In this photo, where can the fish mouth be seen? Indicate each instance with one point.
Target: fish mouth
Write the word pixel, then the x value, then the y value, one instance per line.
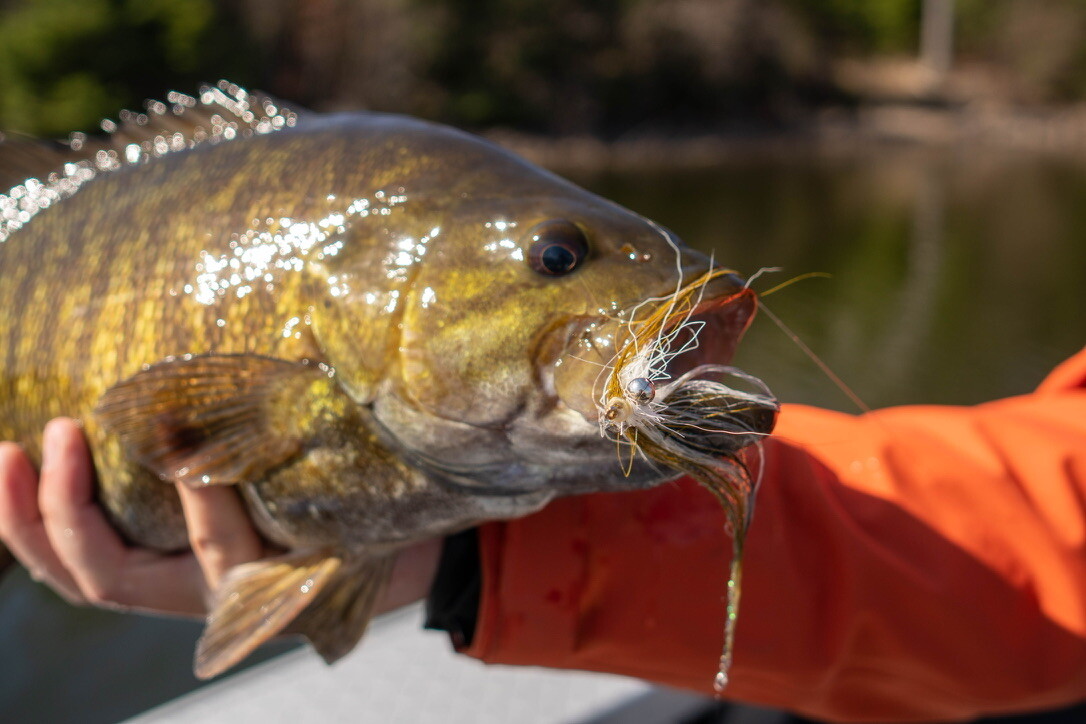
pixel 704 335
pixel 735 409
pixel 718 323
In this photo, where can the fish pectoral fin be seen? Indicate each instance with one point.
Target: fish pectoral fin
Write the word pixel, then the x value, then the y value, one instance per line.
pixel 219 419
pixel 337 619
pixel 256 601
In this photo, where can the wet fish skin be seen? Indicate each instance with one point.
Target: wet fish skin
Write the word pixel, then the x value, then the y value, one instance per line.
pixel 339 319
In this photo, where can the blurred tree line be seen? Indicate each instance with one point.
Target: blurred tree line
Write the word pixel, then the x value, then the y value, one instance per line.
pixel 604 67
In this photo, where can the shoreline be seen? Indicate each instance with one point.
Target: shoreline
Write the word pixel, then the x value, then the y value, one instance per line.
pixel 833 132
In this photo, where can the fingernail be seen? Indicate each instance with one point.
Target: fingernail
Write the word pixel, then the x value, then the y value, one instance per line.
pixel 13 444
pixel 50 438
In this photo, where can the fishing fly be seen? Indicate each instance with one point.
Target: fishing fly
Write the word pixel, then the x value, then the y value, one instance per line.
pixel 697 422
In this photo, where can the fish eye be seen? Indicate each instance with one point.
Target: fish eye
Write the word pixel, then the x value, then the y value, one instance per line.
pixel 556 247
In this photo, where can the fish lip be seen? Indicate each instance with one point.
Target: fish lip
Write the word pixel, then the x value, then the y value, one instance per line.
pixel 730 311
pixel 726 318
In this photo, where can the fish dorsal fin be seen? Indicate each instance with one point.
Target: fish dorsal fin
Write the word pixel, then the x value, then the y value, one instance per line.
pixel 219 419
pixel 23 158
pixel 221 112
pixel 37 174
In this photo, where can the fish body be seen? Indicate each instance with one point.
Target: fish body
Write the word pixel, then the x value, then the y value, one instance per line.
pixel 379 329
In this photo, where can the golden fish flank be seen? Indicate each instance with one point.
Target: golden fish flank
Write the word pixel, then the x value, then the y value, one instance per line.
pixel 378 328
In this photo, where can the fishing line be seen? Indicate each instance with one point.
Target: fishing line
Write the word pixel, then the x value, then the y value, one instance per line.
pixel 856 400
pixel 790 282
pixel 833 377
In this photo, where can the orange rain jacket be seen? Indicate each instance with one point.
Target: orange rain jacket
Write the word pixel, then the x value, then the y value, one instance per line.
pixel 914 563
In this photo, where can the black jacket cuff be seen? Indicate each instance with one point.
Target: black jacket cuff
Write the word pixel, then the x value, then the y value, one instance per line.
pixel 453 603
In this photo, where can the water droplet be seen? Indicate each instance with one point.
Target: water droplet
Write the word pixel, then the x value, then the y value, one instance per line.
pixel 720 683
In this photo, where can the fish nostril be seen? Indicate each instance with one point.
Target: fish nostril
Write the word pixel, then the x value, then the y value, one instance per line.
pixel 632 253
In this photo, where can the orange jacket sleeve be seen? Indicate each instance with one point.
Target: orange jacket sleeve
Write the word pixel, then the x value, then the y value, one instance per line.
pixel 915 563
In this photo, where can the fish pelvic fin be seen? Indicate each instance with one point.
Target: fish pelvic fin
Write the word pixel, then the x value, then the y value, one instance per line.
pixel 337 619
pixel 220 419
pixel 256 601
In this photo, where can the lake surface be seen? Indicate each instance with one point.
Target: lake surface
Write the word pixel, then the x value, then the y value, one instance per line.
pixel 954 278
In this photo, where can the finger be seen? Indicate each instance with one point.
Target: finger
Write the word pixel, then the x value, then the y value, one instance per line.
pixel 220 531
pixel 157 583
pixel 21 526
pixel 108 573
pixel 412 575
pixel 78 532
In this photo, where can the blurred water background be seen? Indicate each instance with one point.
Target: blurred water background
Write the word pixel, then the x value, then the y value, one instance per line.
pixel 953 278
pixel 941 186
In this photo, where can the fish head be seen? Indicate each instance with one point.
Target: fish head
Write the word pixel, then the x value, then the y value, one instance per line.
pixel 507 293
pixel 512 324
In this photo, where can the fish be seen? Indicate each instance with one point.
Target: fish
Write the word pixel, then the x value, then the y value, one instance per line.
pixel 377 329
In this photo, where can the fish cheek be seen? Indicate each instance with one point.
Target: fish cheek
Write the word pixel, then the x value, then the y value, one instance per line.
pixel 468 355
pixel 475 373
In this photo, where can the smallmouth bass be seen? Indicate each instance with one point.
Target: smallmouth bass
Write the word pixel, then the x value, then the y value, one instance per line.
pixel 379 329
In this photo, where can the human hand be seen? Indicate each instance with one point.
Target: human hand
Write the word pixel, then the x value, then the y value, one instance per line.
pixel 54 526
